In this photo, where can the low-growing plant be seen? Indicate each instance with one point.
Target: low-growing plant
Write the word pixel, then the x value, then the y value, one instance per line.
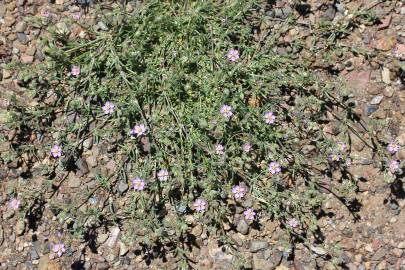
pixel 199 118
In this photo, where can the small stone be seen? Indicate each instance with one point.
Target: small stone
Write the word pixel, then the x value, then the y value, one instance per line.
pixel 329 14
pixel 39 55
pixel 101 238
pixel 82 166
pixel 218 255
pixel 34 254
pixel 88 143
pixel 197 230
pixel 386 75
pixel 101 25
pixel 257 245
pixel 318 250
pixel 23 38
pixel 27 59
pixel 389 91
pixel 74 181
pixel 113 237
pixel 21 27
pixel 402 10
pixel 31 50
pixel 122 187
pixel 370 109
pixel 379 254
pixel 9 21
pixel 374 89
pixel 282 12
pixel 20 227
pixel 376 100
pixel 242 227
pixel 123 249
pixel 59 2
pixel 401 245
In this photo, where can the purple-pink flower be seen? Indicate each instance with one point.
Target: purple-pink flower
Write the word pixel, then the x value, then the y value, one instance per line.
pixel 250 214
pixel 233 55
pixel 342 146
pixel 274 167
pixel 293 222
pixel 15 204
pixel 247 147
pixel 269 118
pixel 76 16
pixel 163 175
pixel 56 151
pixel 238 191
pixel 393 148
pixel 46 13
pixel 75 71
pixel 334 157
pixel 59 249
pixel 219 149
pixel 138 184
pixel 394 166
pixel 109 107
pixel 226 111
pixel 200 205
pixel 138 130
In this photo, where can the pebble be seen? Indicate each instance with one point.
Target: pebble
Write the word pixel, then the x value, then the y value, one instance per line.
pixel 82 166
pixel 257 245
pixel 20 227
pixel 370 109
pixel 379 254
pixel 34 254
pixel 21 27
pixel 123 249
pixel 386 75
pixel 101 238
pixel 23 38
pixel 376 100
pixel 113 237
pixel 242 227
pixel 122 187
pixel 74 181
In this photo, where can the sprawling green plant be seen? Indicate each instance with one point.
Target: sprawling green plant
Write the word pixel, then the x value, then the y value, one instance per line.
pixel 200 118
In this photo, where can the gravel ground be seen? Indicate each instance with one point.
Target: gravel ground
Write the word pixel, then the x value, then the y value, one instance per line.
pixel 367 234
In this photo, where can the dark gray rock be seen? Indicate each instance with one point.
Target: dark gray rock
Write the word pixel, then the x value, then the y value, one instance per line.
pixel 34 254
pixel 23 38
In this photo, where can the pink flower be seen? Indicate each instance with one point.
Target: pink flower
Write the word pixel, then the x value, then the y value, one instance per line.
pixel 58 249
pixel 274 167
pixel 200 205
pixel 138 130
pixel 163 175
pixel 75 71
pixel 249 214
pixel 247 147
pixel 15 204
pixel 46 13
pixel 269 118
pixel 293 223
pixel 334 157
pixel 239 191
pixel 76 16
pixel 138 184
pixel 393 147
pixel 56 151
pixel 233 55
pixel 109 107
pixel 226 111
pixel 342 146
pixel 394 166
pixel 219 149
